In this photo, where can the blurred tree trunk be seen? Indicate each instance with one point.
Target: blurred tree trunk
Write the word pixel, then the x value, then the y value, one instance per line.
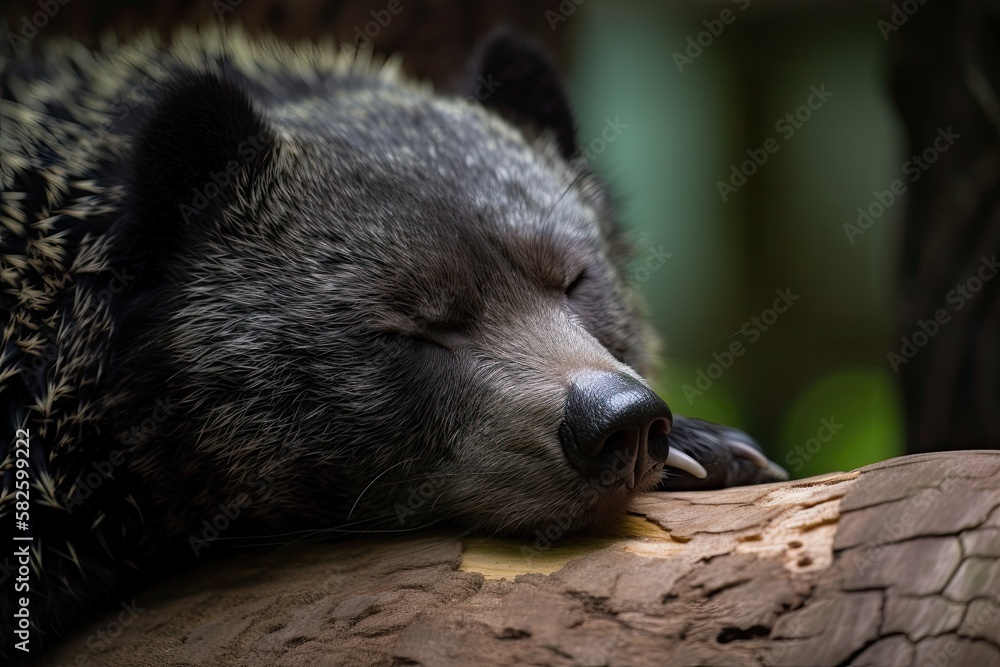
pixel 946 78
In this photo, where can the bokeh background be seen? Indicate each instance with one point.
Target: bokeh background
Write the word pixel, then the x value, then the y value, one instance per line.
pixel 690 120
pixel 671 97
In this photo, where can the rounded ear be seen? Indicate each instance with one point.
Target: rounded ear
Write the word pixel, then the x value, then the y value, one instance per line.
pixel 202 143
pixel 514 77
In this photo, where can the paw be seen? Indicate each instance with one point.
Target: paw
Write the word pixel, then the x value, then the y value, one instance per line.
pixel 722 457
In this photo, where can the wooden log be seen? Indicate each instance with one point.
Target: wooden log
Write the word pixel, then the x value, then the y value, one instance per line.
pixel 897 563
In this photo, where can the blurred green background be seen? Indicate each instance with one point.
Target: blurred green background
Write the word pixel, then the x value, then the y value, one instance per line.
pixel 689 120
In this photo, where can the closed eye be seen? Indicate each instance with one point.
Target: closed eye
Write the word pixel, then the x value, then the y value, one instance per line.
pixel 572 287
pixel 412 337
pixel 425 339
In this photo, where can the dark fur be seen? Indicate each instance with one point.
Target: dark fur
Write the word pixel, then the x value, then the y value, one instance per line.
pixel 388 294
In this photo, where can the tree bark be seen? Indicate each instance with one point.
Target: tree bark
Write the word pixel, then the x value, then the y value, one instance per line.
pixel 894 564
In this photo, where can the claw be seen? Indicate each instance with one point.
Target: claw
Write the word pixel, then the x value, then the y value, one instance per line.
pixel 680 460
pixel 777 473
pixel 743 450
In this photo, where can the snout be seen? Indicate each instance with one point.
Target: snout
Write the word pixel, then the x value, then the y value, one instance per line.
pixel 615 428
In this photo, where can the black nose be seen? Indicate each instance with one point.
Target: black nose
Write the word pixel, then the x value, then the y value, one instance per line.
pixel 615 428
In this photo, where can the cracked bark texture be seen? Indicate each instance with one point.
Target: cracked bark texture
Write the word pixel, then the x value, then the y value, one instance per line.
pixel 894 564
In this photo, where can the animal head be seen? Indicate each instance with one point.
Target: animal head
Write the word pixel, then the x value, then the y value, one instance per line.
pixel 392 306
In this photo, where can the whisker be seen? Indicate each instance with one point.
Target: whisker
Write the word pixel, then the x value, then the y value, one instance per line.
pixel 569 188
pixel 375 480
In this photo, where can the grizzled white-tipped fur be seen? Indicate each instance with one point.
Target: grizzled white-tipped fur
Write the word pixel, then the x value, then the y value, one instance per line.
pixel 289 286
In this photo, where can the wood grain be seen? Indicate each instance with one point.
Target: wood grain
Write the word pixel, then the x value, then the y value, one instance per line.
pixel 894 564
